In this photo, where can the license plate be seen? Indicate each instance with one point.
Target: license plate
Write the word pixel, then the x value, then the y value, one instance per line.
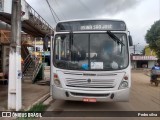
pixel 158 78
pixel 89 100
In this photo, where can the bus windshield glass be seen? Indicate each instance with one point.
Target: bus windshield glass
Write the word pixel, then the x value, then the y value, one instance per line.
pixel 90 51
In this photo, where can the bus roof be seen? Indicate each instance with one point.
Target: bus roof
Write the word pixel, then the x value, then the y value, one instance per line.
pixel 91 25
pixel 103 19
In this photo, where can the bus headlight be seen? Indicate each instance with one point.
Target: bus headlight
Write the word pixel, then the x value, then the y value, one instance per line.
pixel 123 85
pixel 56 80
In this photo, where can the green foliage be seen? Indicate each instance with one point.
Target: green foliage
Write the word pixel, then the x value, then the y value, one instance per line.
pixel 148 51
pixel 143 52
pixel 40 107
pixel 153 37
pixel 25 118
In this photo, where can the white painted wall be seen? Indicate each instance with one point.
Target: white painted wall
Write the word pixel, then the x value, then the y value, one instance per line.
pixel 25 8
pixel 7 8
pixel 1 5
pixel 133 64
pixel 151 64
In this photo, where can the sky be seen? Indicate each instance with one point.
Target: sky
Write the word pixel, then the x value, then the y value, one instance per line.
pixel 139 15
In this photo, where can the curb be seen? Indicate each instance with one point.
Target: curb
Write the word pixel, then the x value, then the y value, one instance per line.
pixel 48 101
pixel 42 99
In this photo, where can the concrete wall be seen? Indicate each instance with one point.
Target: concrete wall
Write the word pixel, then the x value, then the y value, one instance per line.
pixel 6 7
pixel 1 5
pixel 151 64
pixel 133 64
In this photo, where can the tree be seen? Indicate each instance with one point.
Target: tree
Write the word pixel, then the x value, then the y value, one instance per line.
pixel 148 52
pixel 153 37
pixel 143 51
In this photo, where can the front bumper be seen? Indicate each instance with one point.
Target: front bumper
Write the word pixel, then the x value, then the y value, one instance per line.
pixel 101 96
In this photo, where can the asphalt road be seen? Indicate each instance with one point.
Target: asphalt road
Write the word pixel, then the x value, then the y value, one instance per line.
pixel 143 97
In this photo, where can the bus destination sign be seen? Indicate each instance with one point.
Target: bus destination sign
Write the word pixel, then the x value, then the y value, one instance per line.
pixel 97 27
pixel 92 25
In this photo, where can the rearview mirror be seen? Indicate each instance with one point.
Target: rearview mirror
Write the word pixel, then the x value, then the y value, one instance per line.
pixel 130 40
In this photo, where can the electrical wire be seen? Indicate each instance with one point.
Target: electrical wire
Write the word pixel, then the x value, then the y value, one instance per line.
pixel 60 9
pixel 53 12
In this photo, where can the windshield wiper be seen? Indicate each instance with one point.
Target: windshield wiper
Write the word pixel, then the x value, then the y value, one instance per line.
pixel 115 38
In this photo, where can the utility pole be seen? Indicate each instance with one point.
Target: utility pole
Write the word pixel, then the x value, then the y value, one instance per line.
pixel 134 48
pixel 51 68
pixel 15 74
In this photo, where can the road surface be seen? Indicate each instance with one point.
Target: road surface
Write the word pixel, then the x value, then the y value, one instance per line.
pixel 143 97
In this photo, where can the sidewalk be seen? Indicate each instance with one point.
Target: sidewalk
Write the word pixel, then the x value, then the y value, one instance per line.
pixel 30 94
pixel 3 97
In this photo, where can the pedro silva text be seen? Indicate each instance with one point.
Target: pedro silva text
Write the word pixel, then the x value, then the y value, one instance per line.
pixel 147 115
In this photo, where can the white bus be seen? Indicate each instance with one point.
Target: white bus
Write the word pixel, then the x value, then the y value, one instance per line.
pixel 91 61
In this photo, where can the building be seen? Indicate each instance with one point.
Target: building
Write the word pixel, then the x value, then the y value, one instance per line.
pixel 144 61
pixel 31 23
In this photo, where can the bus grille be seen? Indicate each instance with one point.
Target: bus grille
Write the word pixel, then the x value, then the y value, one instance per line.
pixel 93 83
pixel 89 95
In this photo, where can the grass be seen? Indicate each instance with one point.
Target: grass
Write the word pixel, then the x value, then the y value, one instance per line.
pixel 40 107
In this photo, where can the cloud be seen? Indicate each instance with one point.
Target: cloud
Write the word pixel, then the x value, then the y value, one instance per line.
pixel 139 18
pixel 93 8
pixel 110 6
pixel 139 15
pixel 79 9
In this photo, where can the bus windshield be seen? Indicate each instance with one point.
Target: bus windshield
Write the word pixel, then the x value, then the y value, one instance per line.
pixel 90 51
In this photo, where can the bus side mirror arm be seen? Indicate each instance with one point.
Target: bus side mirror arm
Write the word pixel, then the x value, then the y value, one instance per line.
pixel 130 40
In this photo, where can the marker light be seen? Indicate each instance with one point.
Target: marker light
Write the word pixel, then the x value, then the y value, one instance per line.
pixel 125 77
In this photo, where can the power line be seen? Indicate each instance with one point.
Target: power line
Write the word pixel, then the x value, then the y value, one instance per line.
pixel 53 12
pixel 59 9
